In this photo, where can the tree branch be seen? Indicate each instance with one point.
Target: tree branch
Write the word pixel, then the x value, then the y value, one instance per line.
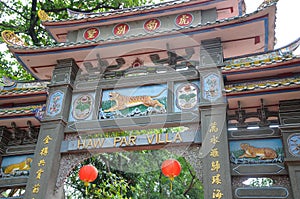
pixel 8 26
pixel 192 181
pixel 33 22
pixel 16 11
pixel 99 6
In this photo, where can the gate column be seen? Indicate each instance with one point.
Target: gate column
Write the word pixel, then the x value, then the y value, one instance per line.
pixel 214 149
pixel 45 166
pixel 289 114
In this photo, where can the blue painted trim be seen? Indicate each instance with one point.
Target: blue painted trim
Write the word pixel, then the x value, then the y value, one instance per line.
pixel 240 7
pixel 266 23
pixel 164 11
pixel 24 66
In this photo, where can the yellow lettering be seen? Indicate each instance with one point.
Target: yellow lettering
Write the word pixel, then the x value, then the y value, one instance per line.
pixel 167 138
pixel 123 141
pixel 150 140
pixel 89 144
pixel 116 140
pixel 98 142
pixel 158 140
pixel 132 140
pixel 177 137
pixel 80 144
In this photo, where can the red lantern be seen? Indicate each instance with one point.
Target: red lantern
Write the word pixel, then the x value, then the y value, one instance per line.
pixel 87 174
pixel 171 168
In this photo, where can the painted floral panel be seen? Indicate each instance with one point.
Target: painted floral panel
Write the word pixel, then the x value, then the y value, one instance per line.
pixel 55 103
pixel 211 87
pixel 186 95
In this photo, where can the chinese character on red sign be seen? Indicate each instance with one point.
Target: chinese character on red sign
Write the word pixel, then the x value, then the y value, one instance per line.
pixel 184 20
pixel 91 33
pixel 121 29
pixel 152 25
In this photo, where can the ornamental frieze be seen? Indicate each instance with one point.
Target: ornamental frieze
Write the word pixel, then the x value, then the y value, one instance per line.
pixel 133 28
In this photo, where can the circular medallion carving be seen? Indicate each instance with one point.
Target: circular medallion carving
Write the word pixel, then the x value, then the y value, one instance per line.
pixel 184 20
pixel 187 96
pixel 91 33
pixel 152 25
pixel 121 29
pixel 82 107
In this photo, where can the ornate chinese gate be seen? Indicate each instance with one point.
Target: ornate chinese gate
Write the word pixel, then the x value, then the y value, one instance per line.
pixel 82 104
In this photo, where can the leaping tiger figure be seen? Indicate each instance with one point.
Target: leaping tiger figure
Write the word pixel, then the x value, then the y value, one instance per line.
pixel 123 101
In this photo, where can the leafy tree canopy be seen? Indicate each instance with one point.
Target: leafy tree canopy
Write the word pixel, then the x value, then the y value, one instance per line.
pixel 20 16
pixel 133 175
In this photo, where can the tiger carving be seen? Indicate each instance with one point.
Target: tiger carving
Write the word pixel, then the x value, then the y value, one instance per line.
pixel 123 101
pixel 252 152
pixel 21 166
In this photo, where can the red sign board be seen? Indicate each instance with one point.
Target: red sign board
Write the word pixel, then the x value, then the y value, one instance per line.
pixel 152 25
pixel 121 29
pixel 184 20
pixel 91 33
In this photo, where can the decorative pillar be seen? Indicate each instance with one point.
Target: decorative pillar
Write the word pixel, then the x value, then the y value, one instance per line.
pixel 45 166
pixel 4 139
pixel 289 115
pixel 214 149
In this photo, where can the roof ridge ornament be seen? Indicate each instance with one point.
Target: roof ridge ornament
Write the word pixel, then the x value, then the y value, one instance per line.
pixel 44 16
pixel 12 39
pixel 266 3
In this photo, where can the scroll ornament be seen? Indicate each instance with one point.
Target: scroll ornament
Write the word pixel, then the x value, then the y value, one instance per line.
pixel 12 39
pixel 43 16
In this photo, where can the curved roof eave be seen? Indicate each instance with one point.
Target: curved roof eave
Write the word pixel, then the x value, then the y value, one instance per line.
pixel 264 16
pixel 59 27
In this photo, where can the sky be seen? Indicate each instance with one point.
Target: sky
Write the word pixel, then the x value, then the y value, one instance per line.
pixel 287 19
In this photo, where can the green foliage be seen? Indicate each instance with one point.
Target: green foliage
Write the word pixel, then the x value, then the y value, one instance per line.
pixel 187 97
pixel 83 106
pixel 21 17
pixel 261 182
pixel 17 72
pixel 238 153
pixel 135 175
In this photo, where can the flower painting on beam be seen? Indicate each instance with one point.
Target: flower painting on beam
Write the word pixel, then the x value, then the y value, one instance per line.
pixel 211 87
pixel 187 95
pixel 55 103
pixel 133 102
pixel 82 106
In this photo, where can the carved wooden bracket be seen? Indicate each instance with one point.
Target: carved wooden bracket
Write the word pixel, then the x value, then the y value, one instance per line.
pixel 172 58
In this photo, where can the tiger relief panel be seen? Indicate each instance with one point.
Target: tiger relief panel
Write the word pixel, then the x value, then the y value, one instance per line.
pixel 256 151
pixel 16 166
pixel 133 102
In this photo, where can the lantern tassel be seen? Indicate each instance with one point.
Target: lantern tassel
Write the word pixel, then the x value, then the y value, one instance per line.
pixel 86 184
pixel 171 180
